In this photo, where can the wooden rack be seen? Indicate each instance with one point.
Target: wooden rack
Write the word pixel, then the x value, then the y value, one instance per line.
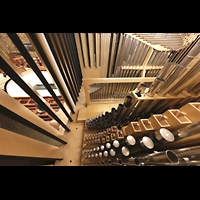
pixel 88 81
pixel 31 105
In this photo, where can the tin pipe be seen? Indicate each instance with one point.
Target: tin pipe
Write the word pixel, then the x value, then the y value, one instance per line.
pixel 143 144
pixel 127 101
pixel 117 162
pixel 155 86
pixel 174 80
pixel 162 136
pixel 133 161
pixel 185 137
pixel 192 153
pixel 160 158
pixel 189 79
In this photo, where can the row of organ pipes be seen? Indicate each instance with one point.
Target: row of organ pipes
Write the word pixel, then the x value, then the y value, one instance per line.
pixel 175 72
pixel 157 124
pixel 145 142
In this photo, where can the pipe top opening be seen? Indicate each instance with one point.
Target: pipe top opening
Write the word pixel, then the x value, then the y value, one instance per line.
pixel 172 157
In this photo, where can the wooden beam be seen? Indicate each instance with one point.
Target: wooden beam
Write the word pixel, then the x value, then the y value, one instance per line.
pixel 24 115
pixel 78 45
pixel 87 81
pixel 87 95
pixel 12 144
pixel 85 48
pixel 91 48
pixel 118 80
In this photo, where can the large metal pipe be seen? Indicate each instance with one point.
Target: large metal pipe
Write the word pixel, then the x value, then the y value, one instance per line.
pixel 133 161
pixel 162 136
pixel 185 137
pixel 188 80
pixel 173 81
pixel 143 144
pixel 155 86
pixel 162 158
pixel 192 153
pixel 170 73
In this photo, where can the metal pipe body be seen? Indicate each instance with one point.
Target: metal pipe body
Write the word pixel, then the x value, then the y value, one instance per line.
pixel 133 161
pixel 190 78
pixel 192 153
pixel 162 158
pixel 185 137
pixel 174 81
pixel 142 145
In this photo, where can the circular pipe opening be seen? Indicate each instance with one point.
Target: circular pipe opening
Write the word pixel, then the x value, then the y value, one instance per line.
pixel 172 157
pixel 137 161
pixel 113 109
pixel 131 140
pixel 129 97
pixel 143 85
pixel 125 151
pixel 147 142
pixel 167 135
pixel 116 143
pixel 120 161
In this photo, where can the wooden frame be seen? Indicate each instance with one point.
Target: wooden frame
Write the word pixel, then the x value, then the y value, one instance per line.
pixel 16 149
pixel 13 109
pixel 88 81
pixel 54 71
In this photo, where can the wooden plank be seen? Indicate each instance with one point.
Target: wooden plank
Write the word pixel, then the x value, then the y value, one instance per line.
pixel 87 96
pixel 12 144
pixel 105 47
pixel 93 110
pixel 78 45
pixel 85 49
pixel 98 49
pixel 118 80
pixel 91 48
pixel 14 106
pixel 82 114
pixel 112 55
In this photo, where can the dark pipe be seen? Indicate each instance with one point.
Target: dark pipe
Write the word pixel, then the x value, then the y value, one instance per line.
pixel 128 100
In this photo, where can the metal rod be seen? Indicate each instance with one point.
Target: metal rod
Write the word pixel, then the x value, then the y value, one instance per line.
pixel 15 39
pixel 160 158
pixel 28 88
pixel 52 66
pixel 32 37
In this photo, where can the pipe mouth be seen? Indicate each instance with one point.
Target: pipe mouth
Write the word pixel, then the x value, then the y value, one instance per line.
pixel 160 79
pixel 108 145
pixel 116 143
pixel 120 161
pixel 112 152
pixel 109 161
pixel 125 151
pixel 172 157
pixel 137 161
pixel 113 110
pixel 105 153
pixel 167 135
pixel 148 143
pixel 131 140
pixel 129 97
pixel 143 85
